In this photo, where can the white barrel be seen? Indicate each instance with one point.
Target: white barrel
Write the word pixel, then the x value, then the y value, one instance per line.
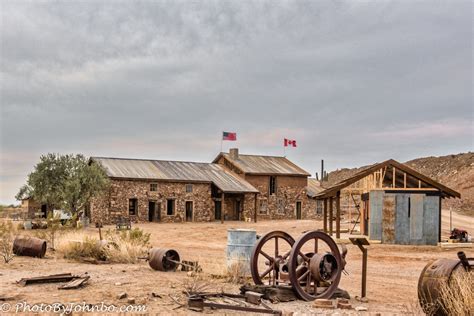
pixel 240 243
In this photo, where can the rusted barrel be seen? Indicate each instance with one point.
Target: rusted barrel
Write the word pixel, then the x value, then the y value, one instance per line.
pixel 433 279
pixel 163 259
pixel 29 246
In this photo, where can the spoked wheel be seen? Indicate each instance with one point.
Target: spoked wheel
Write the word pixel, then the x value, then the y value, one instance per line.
pixel 315 274
pixel 270 256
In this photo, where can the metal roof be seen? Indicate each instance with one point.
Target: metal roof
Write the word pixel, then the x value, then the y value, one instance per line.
pixel 174 171
pixel 264 165
pixel 314 187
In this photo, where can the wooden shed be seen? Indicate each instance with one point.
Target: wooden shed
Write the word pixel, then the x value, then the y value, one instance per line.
pixel 396 204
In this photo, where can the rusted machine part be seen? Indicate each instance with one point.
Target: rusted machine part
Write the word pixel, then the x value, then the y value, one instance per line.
pixel 199 302
pixel 163 259
pixel 29 246
pixel 275 261
pixel 316 275
pixel 467 263
pixel 435 276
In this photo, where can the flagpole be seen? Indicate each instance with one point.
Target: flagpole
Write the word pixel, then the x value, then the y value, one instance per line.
pixel 222 139
pixel 284 150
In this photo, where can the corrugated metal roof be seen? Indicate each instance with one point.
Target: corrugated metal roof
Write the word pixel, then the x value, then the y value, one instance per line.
pixel 314 187
pixel 174 171
pixel 256 164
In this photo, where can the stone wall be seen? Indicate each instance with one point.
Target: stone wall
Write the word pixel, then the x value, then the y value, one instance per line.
pixel 115 203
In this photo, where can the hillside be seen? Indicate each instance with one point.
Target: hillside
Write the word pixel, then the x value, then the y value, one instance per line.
pixel 454 171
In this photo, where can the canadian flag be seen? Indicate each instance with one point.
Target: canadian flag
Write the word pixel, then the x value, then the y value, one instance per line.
pixel 290 142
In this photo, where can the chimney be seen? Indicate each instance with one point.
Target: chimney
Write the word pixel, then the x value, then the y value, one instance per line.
pixel 234 153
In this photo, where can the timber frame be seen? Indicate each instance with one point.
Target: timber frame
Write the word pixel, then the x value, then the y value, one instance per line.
pixel 389 176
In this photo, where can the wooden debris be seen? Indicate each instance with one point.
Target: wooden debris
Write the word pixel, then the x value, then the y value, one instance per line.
pixel 122 295
pixel 131 300
pixel 64 277
pixel 271 293
pixel 76 283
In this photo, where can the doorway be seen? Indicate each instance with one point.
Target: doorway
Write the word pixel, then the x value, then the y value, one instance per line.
pixel 151 211
pixel 189 211
pixel 298 210
pixel 217 210
pixel 237 210
pixel 44 211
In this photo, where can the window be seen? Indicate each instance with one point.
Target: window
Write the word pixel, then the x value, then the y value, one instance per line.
pixel 319 206
pixel 170 204
pixel 132 207
pixel 154 187
pixel 262 206
pixel 189 188
pixel 272 185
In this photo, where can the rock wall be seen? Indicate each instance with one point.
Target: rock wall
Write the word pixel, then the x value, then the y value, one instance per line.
pixel 115 203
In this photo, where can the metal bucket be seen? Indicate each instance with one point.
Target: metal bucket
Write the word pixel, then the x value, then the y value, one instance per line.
pixel 240 243
pixel 29 246
pixel 435 276
pixel 163 259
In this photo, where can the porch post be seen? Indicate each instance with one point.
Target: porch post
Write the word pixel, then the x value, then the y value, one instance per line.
pixel 338 214
pixel 325 216
pixel 330 214
pixel 255 209
pixel 222 208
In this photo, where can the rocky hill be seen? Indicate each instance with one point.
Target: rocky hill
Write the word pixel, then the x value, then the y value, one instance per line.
pixel 454 171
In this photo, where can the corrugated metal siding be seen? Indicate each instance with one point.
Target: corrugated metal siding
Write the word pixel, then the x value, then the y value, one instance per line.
pixel 313 187
pixel 402 221
pixel 431 220
pixel 376 199
pixel 266 165
pixel 416 218
pixel 174 171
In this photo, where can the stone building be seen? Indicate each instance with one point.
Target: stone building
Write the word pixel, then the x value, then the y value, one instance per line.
pixel 281 184
pixel 230 188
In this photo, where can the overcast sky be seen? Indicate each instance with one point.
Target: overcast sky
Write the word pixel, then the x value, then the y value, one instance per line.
pixel 353 82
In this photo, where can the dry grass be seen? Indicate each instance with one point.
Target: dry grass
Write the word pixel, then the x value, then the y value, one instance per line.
pixel 7 232
pixel 237 273
pixel 119 247
pixel 457 296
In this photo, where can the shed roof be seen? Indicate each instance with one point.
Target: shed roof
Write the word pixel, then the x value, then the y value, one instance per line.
pixel 264 165
pixel 332 190
pixel 314 187
pixel 180 171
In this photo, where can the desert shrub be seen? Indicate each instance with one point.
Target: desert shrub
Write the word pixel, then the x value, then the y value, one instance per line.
pixel 7 233
pixel 88 248
pixel 236 273
pixel 457 296
pixel 136 236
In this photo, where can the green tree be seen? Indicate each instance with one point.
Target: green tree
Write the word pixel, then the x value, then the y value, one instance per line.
pixel 68 182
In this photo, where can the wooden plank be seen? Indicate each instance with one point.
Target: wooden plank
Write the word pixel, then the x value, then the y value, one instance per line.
pixel 388 219
pixel 404 179
pixel 394 171
pixel 76 283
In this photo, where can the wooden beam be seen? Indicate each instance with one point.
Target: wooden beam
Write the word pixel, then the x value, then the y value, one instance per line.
pixel 255 209
pixel 419 184
pixel 338 215
pixel 394 171
pixel 330 214
pixel 222 208
pixel 325 216
pixel 404 179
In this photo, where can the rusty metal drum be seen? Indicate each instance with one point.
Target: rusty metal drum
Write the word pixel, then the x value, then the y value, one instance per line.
pixel 29 246
pixel 162 259
pixel 435 276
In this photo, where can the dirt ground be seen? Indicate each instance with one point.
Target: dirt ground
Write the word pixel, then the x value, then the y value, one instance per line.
pixel 393 270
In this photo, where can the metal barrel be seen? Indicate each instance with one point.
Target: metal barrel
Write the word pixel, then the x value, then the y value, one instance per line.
pixel 162 259
pixel 435 276
pixel 240 243
pixel 29 246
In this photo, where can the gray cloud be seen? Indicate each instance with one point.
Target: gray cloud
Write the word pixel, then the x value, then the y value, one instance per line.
pixel 353 82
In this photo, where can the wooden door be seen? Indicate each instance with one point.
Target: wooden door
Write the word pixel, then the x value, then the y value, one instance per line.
pixel 189 211
pixel 298 210
pixel 217 210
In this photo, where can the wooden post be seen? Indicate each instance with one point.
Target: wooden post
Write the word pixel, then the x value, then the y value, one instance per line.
pixel 338 214
pixel 255 209
pixel 393 177
pixel 222 208
pixel 405 180
pixel 364 272
pixel 330 214
pixel 325 216
pixel 362 216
